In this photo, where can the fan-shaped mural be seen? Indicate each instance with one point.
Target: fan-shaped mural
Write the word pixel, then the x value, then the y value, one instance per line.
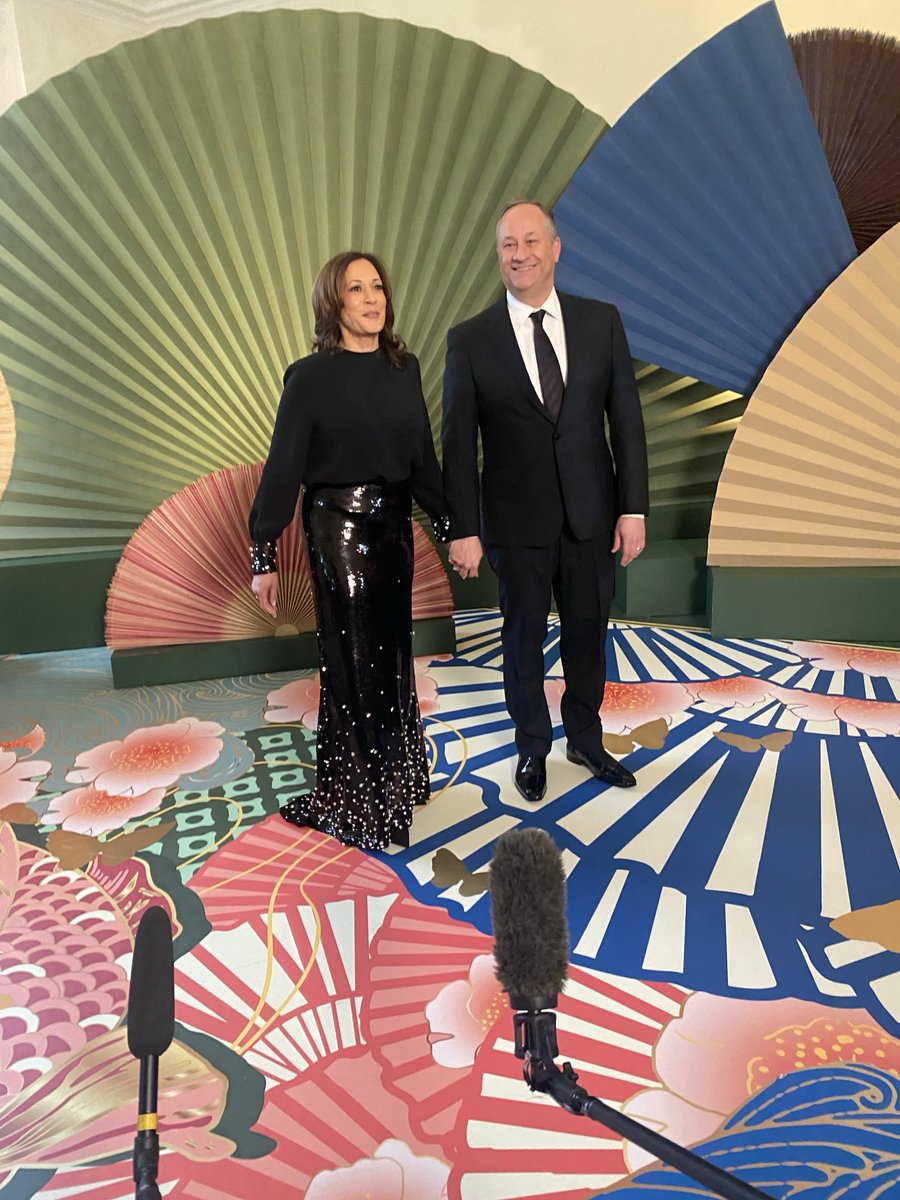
pixel 166 206
pixel 184 576
pixel 689 429
pixel 811 478
pixel 852 81
pixel 708 214
pixel 7 434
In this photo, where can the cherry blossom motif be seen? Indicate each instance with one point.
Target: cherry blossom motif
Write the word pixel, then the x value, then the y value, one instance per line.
pixel 866 660
pixel 720 1051
pixel 871 716
pixel 808 706
pixel 735 690
pixel 152 757
pixel 392 1173
pixel 463 1013
pixel 299 699
pixel 295 701
pixel 17 778
pixel 629 705
pixel 31 741
pixel 90 810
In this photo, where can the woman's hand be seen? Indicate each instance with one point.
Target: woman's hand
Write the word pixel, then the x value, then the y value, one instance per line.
pixel 265 589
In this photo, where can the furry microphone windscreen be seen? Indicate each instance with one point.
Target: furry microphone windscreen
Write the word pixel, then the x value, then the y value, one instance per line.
pixel 528 908
pixel 151 995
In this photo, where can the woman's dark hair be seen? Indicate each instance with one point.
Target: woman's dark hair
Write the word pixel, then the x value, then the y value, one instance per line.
pixel 328 300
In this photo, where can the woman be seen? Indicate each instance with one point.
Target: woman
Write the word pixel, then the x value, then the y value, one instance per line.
pixel 352 426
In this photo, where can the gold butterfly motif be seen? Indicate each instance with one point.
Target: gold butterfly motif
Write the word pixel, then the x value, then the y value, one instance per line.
pixel 448 870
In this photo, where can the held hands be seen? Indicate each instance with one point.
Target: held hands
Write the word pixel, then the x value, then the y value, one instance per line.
pixel 465 555
pixel 265 589
pixel 630 538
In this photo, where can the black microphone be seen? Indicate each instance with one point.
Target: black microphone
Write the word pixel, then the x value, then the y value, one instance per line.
pixel 531 951
pixel 531 936
pixel 151 1027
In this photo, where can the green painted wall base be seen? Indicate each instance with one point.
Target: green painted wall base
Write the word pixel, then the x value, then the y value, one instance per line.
pixel 852 604
pixel 667 580
pixel 688 519
pixel 152 665
pixel 54 603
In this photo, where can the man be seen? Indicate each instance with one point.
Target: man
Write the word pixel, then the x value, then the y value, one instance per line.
pixel 535 374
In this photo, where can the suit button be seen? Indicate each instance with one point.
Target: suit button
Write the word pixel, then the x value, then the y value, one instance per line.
pixel 556 437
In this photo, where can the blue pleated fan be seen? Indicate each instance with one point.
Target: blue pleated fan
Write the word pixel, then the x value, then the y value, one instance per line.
pixel 708 214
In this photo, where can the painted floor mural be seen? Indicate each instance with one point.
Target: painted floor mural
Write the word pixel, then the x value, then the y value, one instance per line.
pixel 735 976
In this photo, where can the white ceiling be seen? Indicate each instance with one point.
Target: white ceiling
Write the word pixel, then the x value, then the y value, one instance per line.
pixel 150 14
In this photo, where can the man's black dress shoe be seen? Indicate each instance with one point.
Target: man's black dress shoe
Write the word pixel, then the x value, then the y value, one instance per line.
pixel 531 777
pixel 603 765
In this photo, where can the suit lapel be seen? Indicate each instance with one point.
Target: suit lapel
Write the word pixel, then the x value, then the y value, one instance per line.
pixel 575 350
pixel 503 339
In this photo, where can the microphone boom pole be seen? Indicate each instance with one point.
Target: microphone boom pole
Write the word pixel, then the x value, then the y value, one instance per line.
pixel 561 1084
pixel 531 949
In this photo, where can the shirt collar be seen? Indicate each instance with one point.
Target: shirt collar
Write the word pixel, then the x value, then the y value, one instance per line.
pixel 520 313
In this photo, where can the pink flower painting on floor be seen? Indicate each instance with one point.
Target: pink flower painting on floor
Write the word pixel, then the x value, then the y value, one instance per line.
pixel 869 716
pixel 299 700
pixel 865 659
pixel 463 1013
pixel 626 706
pixel 92 811
pixel 31 741
pixel 295 701
pixel 152 757
pixel 392 1173
pixel 19 778
pixel 733 691
pixel 720 1051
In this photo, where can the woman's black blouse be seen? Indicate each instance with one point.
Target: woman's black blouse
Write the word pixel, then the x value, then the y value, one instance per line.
pixel 346 418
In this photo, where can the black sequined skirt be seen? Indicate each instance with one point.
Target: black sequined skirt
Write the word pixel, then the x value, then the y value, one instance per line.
pixel 370 760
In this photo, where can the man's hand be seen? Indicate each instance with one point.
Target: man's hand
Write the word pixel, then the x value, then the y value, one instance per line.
pixel 465 555
pixel 265 589
pixel 630 538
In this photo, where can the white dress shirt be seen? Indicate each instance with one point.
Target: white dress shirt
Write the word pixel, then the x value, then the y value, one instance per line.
pixel 523 327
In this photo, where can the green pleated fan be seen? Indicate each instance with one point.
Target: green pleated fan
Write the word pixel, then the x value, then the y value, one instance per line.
pixel 164 209
pixel 689 428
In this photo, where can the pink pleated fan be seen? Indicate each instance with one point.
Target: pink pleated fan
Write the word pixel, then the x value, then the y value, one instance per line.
pixel 184 576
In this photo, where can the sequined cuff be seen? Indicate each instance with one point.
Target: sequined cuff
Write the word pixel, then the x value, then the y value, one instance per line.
pixel 441 526
pixel 263 560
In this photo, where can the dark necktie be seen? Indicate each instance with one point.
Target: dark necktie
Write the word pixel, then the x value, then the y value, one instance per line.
pixel 549 373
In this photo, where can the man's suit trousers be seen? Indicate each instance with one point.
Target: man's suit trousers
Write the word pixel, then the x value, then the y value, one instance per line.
pixel 580 576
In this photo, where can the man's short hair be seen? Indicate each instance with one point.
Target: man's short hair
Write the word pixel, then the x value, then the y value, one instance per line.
pixel 548 213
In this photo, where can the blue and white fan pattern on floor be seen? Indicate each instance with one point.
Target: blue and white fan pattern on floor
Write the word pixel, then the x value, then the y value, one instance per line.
pixel 724 868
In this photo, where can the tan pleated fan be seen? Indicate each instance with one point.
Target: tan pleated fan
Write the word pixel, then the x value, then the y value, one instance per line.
pixel 852 82
pixel 164 210
pixel 7 434
pixel 185 577
pixel 812 476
